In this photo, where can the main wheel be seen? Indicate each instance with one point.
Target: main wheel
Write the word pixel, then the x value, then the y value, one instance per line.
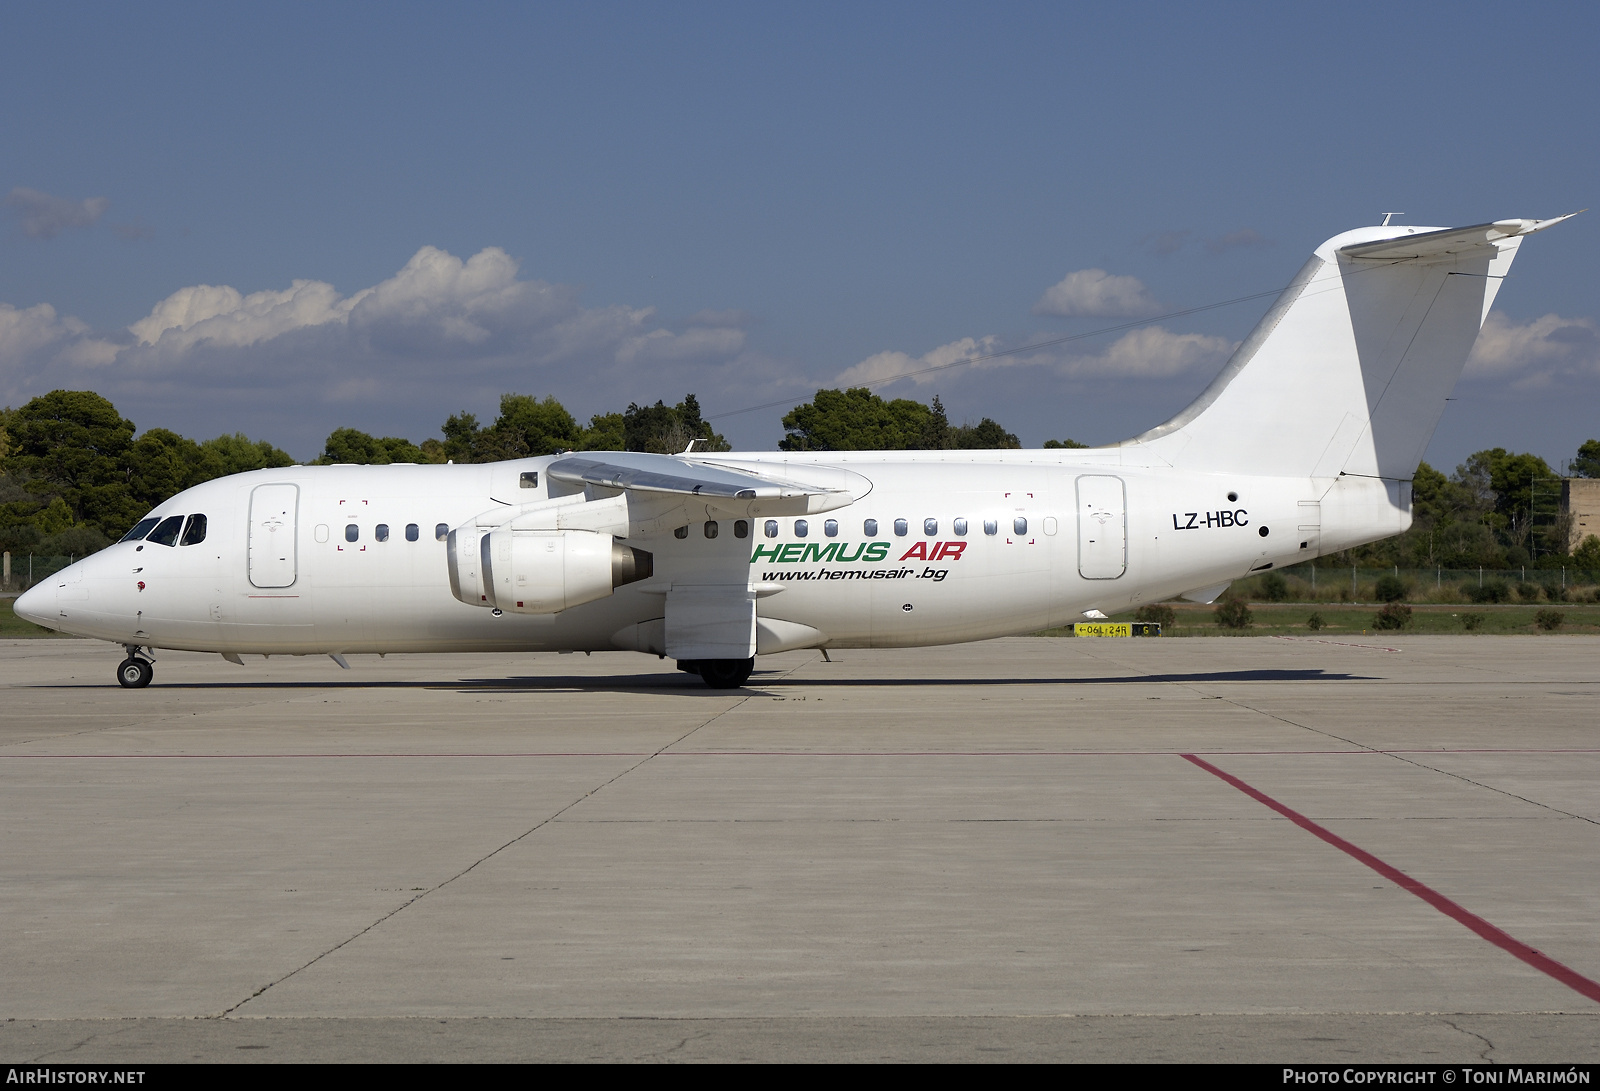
pixel 135 673
pixel 726 673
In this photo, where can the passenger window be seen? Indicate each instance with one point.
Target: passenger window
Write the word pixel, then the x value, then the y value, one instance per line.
pixel 441 531
pixel 991 526
pixel 681 532
pixel 413 532
pixel 741 528
pixel 321 533
pixel 529 480
pixel 801 528
pixel 1019 525
pixel 831 528
pixel 960 527
pixel 1049 524
pixel 166 532
pixel 381 532
pixel 771 529
pixel 351 532
pixel 869 527
pixel 711 528
pixel 144 526
pixel 930 527
pixel 195 531
pixel 901 528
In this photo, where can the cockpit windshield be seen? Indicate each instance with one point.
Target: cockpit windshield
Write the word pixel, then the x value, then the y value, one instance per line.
pixel 144 527
pixel 195 532
pixel 166 532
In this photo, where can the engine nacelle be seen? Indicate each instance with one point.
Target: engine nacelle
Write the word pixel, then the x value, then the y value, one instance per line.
pixel 540 571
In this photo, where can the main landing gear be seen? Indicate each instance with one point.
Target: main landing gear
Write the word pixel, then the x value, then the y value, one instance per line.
pixel 720 673
pixel 135 671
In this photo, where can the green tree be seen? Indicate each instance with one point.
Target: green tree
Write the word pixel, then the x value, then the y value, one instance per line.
pixel 1587 464
pixel 350 446
pixel 529 426
pixel 606 432
pixel 1587 555
pixel 667 429
pixel 74 444
pixel 986 435
pixel 162 464
pixel 857 420
pixel 1070 444
pixel 237 454
pixel 461 434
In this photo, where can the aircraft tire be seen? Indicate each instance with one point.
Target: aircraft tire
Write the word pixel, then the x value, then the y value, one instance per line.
pixel 134 673
pixel 726 673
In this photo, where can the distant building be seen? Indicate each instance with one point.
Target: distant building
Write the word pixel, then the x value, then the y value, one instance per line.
pixel 1580 509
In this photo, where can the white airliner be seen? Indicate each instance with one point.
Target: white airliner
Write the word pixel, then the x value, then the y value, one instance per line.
pixel 1304 444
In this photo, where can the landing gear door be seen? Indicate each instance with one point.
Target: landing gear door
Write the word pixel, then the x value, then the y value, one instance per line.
pixel 273 510
pixel 1102 527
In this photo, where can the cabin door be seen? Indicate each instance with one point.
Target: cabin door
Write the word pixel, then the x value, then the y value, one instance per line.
pixel 1102 527
pixel 272 535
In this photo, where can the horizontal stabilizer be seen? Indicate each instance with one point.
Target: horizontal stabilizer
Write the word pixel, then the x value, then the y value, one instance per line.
pixel 1450 242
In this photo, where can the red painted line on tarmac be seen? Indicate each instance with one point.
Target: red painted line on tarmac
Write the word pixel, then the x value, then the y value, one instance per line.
pixel 1456 912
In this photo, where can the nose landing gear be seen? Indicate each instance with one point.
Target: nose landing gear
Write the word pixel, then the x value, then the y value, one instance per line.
pixel 135 671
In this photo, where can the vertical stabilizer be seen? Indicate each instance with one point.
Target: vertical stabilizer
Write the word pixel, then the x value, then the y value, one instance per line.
pixel 1349 371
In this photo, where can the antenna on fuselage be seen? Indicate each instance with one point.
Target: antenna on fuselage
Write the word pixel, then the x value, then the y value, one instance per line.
pixel 1386 217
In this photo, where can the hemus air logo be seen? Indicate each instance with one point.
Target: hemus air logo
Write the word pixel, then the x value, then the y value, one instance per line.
pixel 845 552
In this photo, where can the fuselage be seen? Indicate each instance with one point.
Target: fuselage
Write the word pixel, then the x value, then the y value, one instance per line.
pixel 932 548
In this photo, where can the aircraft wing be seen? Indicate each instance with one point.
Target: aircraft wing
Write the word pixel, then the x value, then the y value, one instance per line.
pixel 639 472
pixel 731 489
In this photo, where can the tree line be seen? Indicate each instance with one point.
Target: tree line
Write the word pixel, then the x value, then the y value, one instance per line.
pixel 75 474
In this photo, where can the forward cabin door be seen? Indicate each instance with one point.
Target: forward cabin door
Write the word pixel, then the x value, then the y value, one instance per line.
pixel 1102 527
pixel 272 535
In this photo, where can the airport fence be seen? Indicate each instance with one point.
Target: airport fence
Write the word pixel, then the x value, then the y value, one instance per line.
pixel 20 571
pixel 1486 586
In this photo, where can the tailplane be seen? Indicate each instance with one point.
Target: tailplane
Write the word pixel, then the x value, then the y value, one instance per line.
pixel 1349 371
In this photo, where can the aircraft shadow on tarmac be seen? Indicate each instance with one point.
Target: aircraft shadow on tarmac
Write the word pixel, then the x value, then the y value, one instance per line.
pixel 686 686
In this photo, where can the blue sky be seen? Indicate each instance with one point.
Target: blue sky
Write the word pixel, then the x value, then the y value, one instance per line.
pixel 416 208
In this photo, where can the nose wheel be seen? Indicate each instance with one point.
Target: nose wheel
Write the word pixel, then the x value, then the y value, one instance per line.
pixel 135 673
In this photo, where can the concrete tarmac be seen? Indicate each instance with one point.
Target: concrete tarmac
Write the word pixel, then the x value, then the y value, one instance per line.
pixel 1252 849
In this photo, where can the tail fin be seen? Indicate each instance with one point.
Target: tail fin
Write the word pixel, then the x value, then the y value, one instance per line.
pixel 1349 371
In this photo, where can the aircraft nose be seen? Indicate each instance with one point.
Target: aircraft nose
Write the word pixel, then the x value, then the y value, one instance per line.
pixel 37 604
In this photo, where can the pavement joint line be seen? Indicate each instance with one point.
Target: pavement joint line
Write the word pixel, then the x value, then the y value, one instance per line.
pixel 1450 908
pixel 1355 751
pixel 486 857
pixel 1398 755
pixel 1489 1046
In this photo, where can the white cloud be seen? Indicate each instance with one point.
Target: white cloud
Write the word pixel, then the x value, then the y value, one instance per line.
pixel 1245 237
pixel 1096 292
pixel 884 366
pixel 221 315
pixel 1149 353
pixel 440 334
pixel 44 215
pixel 1534 353
pixel 1152 352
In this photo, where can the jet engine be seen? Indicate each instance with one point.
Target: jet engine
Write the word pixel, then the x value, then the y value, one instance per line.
pixel 540 571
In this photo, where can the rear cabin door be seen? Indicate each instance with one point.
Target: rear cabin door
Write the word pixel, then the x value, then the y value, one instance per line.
pixel 272 535
pixel 1102 527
